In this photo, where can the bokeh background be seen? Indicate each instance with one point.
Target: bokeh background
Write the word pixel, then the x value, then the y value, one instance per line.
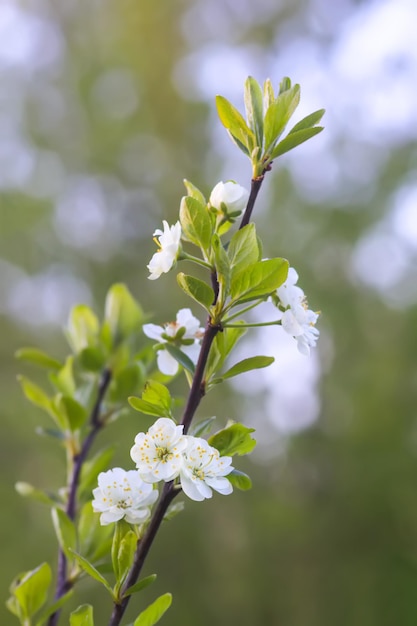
pixel 105 106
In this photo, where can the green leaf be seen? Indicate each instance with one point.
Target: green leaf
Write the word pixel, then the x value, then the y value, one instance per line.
pixel 284 85
pixel 128 380
pixel 196 289
pixel 145 407
pixel 251 363
pixel 126 554
pixel 157 393
pixel 53 608
pixel 153 613
pixel 83 616
pixel 254 108
pixel 141 584
pixel 239 480
pixel 92 359
pixel 31 589
pixel 268 95
pixel 64 378
pixel 195 222
pixel 65 531
pixel 309 121
pixel 91 570
pixel 35 394
pixel 202 428
pixel 122 313
pixel 33 355
pixel 173 510
pixel 75 414
pixel 181 357
pixel 222 263
pixel 233 121
pixel 93 538
pixel 259 280
pixel 243 249
pixel 221 347
pixel 295 139
pixel 28 491
pixel 234 439
pixel 83 328
pixel 194 192
pixel 278 115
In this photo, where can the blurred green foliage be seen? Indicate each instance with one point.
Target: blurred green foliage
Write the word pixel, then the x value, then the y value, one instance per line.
pixel 328 535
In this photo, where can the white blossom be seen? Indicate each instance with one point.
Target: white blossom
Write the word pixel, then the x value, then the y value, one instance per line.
pixel 187 340
pixel 158 453
pixel 122 494
pixel 231 194
pixel 203 469
pixel 297 320
pixel 169 242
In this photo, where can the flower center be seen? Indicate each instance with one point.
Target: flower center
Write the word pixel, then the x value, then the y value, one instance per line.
pixel 163 454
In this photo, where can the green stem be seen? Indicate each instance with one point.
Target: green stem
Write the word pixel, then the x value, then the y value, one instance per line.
pixel 241 311
pixel 194 259
pixel 254 325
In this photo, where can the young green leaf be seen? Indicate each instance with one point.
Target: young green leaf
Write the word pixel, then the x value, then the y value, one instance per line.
pixel 194 192
pixel 234 439
pixel 91 570
pixel 31 589
pixel 173 510
pixel 157 393
pixel 65 531
pixel 28 491
pixel 153 613
pixel 93 538
pixel 268 94
pixel 202 428
pixel 64 378
pixel 122 313
pixel 243 249
pixel 258 280
pixel 251 363
pixel 53 608
pixel 196 289
pixel 233 121
pixel 83 328
pixel 141 584
pixel 126 381
pixel 75 414
pixel 126 554
pixel 239 480
pixel 309 121
pixel 36 395
pixel 195 221
pixel 92 359
pixel 294 139
pixel 83 616
pixel 278 115
pixel 254 108
pixel 37 357
pixel 181 357
pixel 146 407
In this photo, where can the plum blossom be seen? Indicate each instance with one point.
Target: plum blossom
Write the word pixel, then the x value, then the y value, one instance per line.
pixel 231 194
pixel 203 469
pixel 185 333
pixel 169 243
pixel 158 453
pixel 297 319
pixel 122 494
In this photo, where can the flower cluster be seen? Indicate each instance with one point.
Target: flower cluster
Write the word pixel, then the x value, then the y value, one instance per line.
pixel 297 319
pixel 164 453
pixel 185 333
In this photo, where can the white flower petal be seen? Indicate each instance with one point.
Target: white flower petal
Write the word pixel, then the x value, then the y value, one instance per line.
pixel 166 363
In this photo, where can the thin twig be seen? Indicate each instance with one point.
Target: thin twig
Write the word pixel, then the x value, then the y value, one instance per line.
pixel 63 584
